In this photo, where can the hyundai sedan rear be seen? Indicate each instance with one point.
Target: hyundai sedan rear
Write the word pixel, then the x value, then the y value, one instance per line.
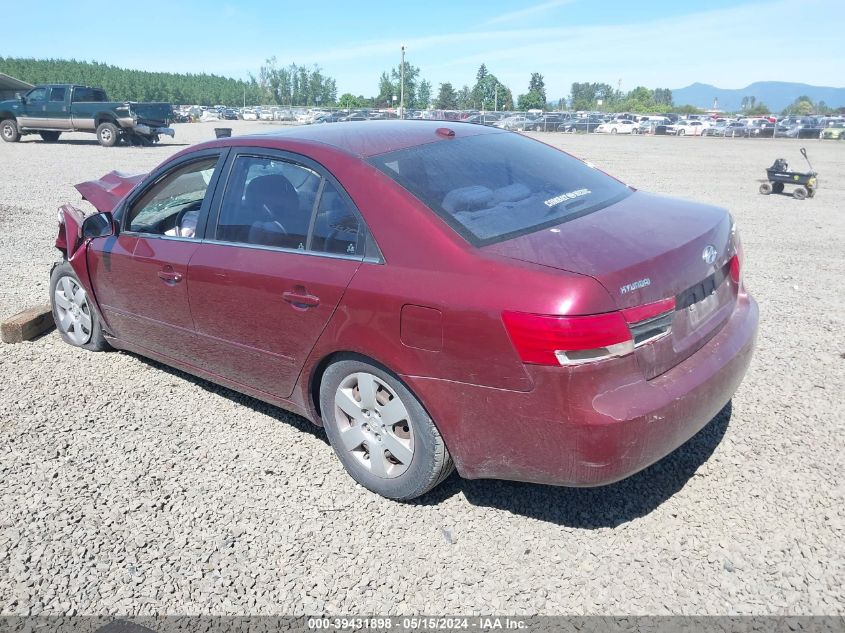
pixel 436 296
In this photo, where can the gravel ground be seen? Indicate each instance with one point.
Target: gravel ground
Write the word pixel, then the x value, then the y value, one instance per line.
pixel 130 488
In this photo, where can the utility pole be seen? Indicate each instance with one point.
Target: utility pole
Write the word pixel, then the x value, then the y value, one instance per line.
pixel 402 85
pixel 496 99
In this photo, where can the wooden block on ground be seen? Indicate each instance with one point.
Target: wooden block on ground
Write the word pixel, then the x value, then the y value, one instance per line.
pixel 26 325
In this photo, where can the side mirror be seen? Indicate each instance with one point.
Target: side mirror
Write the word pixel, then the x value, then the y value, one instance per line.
pixel 20 97
pixel 98 225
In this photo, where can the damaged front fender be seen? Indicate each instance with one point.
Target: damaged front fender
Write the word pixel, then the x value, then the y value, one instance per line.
pixel 70 230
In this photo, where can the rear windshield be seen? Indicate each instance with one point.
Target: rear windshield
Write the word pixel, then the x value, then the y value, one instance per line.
pixel 492 187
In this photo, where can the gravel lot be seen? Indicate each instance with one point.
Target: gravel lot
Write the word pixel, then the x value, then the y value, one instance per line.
pixel 130 488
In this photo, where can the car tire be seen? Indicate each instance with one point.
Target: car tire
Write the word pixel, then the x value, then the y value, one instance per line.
pixel 357 431
pixel 49 137
pixel 75 316
pixel 682 132
pixel 9 131
pixel 613 130
pixel 107 134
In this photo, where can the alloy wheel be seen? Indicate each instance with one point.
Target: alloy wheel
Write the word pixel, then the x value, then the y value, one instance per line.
pixel 374 424
pixel 73 310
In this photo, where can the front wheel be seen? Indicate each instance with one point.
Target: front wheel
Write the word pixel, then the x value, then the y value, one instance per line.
pixel 800 193
pixel 74 315
pixel 381 433
pixel 107 134
pixel 682 132
pixel 9 131
pixel 766 188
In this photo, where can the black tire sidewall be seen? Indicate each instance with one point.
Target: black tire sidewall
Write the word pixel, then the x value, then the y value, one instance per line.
pixel 16 136
pixel 115 134
pixel 418 478
pixel 96 342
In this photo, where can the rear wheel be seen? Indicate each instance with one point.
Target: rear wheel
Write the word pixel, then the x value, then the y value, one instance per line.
pixel 777 187
pixel 73 312
pixel 380 432
pixel 9 131
pixel 766 188
pixel 107 134
pixel 800 193
pixel 49 137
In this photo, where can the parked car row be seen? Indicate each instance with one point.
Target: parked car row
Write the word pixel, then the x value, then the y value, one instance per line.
pixel 535 121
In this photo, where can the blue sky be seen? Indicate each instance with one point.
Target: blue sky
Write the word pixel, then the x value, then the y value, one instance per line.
pixel 656 44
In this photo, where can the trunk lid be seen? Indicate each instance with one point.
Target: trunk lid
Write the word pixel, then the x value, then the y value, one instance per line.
pixel 106 192
pixel 643 249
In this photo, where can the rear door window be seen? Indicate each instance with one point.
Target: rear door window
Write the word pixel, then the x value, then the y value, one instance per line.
pixel 268 202
pixel 281 202
pixel 492 187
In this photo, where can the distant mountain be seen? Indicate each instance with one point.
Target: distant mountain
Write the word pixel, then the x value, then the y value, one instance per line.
pixel 775 94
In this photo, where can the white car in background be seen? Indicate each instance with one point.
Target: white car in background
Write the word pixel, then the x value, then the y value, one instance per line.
pixel 687 128
pixel 623 126
pixel 249 115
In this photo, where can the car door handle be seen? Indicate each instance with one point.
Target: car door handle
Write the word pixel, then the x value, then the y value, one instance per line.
pixel 301 299
pixel 170 276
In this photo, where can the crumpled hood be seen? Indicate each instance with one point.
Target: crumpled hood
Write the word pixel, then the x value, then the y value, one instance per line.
pixel 106 192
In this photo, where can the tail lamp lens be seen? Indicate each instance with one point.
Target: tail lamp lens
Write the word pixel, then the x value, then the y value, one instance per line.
pixel 573 340
pixel 736 273
pixel 557 340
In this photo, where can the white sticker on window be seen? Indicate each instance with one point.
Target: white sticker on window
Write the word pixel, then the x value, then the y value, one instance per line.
pixel 571 195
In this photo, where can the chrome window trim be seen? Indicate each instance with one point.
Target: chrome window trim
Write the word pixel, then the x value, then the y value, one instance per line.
pixel 159 236
pixel 296 251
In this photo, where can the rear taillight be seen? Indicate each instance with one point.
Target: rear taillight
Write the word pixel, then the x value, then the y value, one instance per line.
pixel 736 260
pixel 557 340
pixel 649 310
pixel 736 273
pixel 574 340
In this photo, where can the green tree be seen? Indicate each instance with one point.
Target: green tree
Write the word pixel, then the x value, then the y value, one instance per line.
pixel 424 94
pixel 535 98
pixel 348 100
pixel 758 109
pixel 537 85
pixel 481 74
pixel 464 98
pixel 447 98
pixel 802 106
pixel 138 85
pixel 689 109
pixel 530 101
pixel 386 91
pixel 411 75
pixel 490 93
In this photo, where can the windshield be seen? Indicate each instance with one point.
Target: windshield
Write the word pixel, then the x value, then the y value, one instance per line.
pixel 493 187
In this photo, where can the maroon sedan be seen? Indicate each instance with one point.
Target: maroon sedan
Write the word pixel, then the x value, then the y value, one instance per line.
pixel 430 295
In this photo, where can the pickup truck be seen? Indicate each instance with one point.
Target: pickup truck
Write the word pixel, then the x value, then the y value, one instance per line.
pixel 51 109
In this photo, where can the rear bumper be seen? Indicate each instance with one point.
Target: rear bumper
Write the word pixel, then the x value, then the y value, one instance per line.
pixel 591 425
pixel 147 130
